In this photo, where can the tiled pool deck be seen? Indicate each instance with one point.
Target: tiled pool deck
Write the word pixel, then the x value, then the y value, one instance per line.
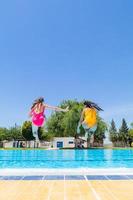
pixel 66 187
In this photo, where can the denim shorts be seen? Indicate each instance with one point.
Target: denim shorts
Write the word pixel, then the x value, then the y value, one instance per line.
pixel 92 129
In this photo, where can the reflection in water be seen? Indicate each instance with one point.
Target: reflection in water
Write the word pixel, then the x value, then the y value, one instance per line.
pixel 108 154
pixel 108 157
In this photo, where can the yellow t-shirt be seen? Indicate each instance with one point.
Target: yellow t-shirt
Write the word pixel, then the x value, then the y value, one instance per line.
pixel 90 117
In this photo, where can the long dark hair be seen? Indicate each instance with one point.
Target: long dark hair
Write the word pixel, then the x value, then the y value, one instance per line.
pixel 39 100
pixel 90 104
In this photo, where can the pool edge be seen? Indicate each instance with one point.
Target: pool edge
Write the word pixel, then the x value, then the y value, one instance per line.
pixel 82 171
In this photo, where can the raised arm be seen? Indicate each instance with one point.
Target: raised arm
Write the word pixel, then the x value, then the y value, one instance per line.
pixel 56 108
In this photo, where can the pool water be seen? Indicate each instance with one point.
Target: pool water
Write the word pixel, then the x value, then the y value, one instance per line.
pixel 103 158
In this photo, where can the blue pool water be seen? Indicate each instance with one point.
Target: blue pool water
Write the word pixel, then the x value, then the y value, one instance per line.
pixel 66 158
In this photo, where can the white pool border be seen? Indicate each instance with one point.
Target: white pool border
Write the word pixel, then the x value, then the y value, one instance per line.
pixel 81 171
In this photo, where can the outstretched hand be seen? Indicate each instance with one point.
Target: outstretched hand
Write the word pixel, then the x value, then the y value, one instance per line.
pixel 66 109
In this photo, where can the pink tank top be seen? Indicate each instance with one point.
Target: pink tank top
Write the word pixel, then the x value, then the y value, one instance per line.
pixel 38 118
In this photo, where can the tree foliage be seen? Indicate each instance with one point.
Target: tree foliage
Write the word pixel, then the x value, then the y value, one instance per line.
pixel 15 133
pixel 123 132
pixel 27 131
pixel 44 135
pixel 113 132
pixel 4 134
pixel 100 132
pixel 130 133
pixel 121 137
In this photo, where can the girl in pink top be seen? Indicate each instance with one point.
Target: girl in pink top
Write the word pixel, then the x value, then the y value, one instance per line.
pixel 37 114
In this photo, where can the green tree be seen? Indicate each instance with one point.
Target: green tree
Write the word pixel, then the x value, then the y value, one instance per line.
pixel 44 135
pixel 3 134
pixel 123 132
pixel 15 133
pixel 71 118
pixel 100 132
pixel 54 124
pixel 113 132
pixel 27 131
pixel 130 135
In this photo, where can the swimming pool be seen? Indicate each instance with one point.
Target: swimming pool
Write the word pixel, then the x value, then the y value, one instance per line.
pixel 54 159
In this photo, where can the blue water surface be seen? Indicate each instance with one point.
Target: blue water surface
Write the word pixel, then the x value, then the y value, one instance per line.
pixel 103 158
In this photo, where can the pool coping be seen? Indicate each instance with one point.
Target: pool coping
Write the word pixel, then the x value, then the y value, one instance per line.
pixel 81 171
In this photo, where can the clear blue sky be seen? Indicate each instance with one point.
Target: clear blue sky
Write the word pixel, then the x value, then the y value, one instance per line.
pixel 66 49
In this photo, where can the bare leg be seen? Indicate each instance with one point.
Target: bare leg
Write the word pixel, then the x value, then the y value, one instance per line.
pixel 78 128
pixel 88 137
pixel 35 132
pixel 86 134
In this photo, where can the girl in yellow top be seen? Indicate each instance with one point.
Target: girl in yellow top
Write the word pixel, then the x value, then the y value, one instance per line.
pixel 89 118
